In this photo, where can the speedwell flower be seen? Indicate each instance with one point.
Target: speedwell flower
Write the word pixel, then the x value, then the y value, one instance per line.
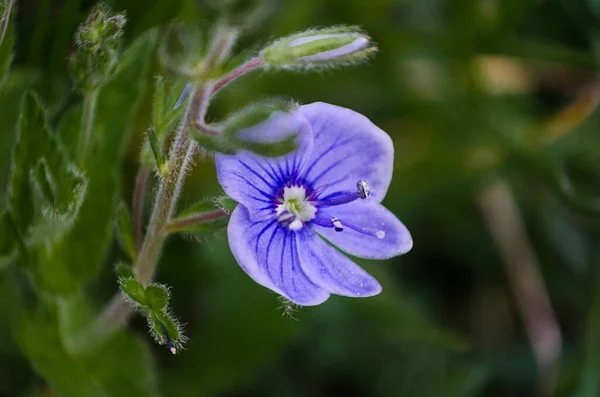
pixel 293 208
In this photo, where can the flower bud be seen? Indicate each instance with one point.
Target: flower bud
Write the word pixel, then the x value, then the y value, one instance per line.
pixel 329 47
pixel 265 128
pixel 98 40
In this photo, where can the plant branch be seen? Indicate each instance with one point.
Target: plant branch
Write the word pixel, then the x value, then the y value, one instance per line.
pixel 181 223
pixel 508 232
pixel 234 74
pixel 180 155
pixel 88 116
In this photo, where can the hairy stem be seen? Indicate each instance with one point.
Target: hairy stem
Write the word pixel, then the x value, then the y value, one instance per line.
pixel 90 101
pixel 180 155
pixel 182 223
pixel 118 311
pixel 234 74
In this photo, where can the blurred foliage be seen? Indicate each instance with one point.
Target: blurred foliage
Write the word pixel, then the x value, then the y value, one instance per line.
pixel 469 90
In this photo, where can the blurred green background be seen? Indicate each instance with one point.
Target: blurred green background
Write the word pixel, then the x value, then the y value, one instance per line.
pixel 490 104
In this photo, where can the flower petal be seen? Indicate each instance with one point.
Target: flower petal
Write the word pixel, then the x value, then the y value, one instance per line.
pixel 370 216
pixel 333 271
pixel 269 254
pixel 347 147
pixel 253 180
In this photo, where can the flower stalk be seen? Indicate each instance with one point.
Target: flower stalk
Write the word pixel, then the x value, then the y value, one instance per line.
pixel 185 222
pixel 180 155
pixel 90 102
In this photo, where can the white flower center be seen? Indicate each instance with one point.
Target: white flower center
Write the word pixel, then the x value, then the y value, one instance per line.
pixel 295 209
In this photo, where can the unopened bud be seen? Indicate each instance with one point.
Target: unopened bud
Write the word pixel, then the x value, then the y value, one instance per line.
pixel 98 42
pixel 319 48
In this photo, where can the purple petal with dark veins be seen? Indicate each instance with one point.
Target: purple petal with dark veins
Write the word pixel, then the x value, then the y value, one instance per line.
pixel 331 270
pixel 348 147
pixel 370 216
pixel 253 180
pixel 268 253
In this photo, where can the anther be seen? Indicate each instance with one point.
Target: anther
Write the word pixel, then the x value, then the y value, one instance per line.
pixel 363 188
pixel 362 192
pixel 337 224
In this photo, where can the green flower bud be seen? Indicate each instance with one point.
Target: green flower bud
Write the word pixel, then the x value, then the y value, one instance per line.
pixel 245 131
pixel 329 47
pixel 98 41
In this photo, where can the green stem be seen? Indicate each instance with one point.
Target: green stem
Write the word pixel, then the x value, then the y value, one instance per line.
pixel 182 223
pixel 90 101
pixel 118 310
pixel 5 19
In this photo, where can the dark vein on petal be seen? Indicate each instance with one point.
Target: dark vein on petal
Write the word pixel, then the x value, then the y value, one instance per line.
pixel 259 176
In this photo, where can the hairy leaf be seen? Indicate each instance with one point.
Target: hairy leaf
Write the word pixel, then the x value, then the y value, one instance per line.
pixel 83 249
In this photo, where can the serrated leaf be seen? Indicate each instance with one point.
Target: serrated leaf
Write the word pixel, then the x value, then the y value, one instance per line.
pixel 125 230
pixel 45 195
pixel 134 290
pixel 82 251
pixel 157 297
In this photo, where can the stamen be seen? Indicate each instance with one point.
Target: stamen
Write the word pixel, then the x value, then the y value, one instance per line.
pixel 362 191
pixel 378 233
pixel 285 216
pixel 296 224
pixel 337 224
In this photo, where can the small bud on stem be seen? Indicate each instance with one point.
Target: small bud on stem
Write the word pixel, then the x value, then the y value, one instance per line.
pixel 331 47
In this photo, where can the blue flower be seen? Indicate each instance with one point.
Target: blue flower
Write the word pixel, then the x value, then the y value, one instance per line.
pixel 293 208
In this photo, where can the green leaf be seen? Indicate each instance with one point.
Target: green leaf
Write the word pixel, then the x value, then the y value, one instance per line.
pixel 166 114
pixel 46 192
pixel 157 296
pixel 39 339
pixel 124 270
pixel 254 115
pixel 125 230
pixel 134 290
pixel 164 328
pixel 7 238
pixel 122 367
pixel 82 251
pixel 226 203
